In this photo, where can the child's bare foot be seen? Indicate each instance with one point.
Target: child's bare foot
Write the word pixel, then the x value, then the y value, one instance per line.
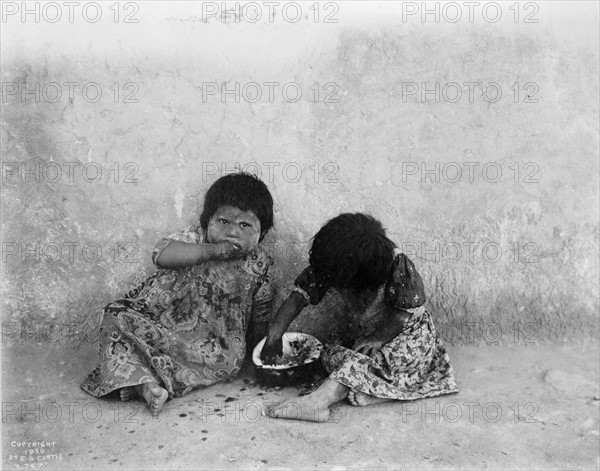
pixel 127 393
pixel 154 395
pixel 303 408
pixel 359 399
pixel 313 407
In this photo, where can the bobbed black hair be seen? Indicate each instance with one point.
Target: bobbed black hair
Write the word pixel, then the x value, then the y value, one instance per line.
pixel 242 190
pixel 352 251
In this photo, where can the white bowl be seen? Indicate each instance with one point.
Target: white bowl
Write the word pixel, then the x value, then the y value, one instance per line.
pixel 288 350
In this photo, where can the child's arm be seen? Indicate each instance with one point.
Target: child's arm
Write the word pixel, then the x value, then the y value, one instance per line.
pixel 307 290
pixel 404 290
pixel 388 330
pixel 288 311
pixel 182 254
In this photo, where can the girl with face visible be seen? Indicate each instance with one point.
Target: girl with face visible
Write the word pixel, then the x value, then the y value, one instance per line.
pixel 188 324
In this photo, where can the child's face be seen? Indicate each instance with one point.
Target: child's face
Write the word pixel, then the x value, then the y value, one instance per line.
pixel 231 224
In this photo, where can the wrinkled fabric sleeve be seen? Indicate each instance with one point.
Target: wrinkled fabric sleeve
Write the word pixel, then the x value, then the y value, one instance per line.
pixel 190 235
pixel 404 288
pixel 306 284
pixel 262 309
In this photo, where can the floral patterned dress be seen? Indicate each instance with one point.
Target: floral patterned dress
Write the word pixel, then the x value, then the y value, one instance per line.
pixel 413 365
pixel 184 328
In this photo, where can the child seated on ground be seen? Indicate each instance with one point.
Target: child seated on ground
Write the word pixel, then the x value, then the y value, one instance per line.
pixel 186 325
pixel 398 356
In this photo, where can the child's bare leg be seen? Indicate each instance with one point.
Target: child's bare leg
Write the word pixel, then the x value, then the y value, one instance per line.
pixel 359 399
pixel 154 395
pixel 313 407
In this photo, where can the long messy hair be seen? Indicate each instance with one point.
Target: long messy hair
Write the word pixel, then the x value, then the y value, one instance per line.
pixel 352 251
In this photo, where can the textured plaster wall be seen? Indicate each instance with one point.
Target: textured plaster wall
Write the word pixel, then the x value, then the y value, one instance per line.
pixel 361 153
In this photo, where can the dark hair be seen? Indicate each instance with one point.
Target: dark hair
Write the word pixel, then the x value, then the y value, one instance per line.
pixel 352 251
pixel 244 191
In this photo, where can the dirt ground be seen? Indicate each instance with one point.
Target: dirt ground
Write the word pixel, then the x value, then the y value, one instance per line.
pixel 533 407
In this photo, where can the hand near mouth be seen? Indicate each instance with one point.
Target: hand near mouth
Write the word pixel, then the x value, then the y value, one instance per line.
pixel 228 251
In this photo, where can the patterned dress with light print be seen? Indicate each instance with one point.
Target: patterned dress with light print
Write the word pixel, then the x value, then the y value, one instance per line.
pixel 413 365
pixel 186 327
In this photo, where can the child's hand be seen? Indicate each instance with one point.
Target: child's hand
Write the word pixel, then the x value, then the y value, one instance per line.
pixel 270 351
pixel 367 345
pixel 226 251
